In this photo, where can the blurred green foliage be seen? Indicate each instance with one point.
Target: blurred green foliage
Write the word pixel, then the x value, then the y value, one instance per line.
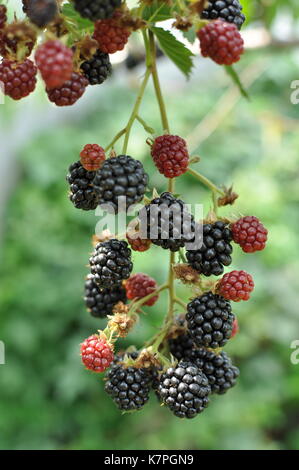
pixel 47 399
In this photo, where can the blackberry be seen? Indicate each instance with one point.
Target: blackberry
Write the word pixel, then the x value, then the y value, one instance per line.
pixel 129 387
pixel 111 263
pixel 110 34
pixel 96 9
pixel 170 155
pixel 220 372
pixel 19 79
pixel 69 92
pixel 41 12
pixel 100 302
pixel 97 353
pixel 185 390
pixel 250 234
pixel 182 346
pixel 123 177
pixel 228 10
pixel 214 252
pixel 210 320
pixel 82 193
pixel 167 222
pixel 97 69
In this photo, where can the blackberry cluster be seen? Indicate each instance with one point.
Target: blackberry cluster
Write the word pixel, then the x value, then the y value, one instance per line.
pixel 123 177
pixel 41 12
pixel 218 369
pixel 111 263
pixel 96 9
pixel 97 69
pixel 184 390
pixel 129 387
pixel 167 222
pixel 82 193
pixel 228 10
pixel 100 302
pixel 210 320
pixel 214 252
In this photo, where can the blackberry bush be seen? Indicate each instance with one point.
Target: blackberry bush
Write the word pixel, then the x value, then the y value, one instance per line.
pixel 71 41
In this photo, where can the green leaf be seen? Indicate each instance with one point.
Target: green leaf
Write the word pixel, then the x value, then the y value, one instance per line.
pixel 190 35
pixel 81 23
pixel 175 50
pixel 236 79
pixel 157 11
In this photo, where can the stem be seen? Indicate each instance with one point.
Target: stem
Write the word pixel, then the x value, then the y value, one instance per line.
pixel 115 139
pixel 180 302
pixel 145 126
pixel 156 82
pixel 140 302
pixel 206 181
pixel 135 109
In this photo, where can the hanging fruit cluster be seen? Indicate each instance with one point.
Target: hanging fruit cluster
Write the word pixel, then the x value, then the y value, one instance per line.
pixel 69 44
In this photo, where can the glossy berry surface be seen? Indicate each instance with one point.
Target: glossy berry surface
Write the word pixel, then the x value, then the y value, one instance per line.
pixel 92 157
pixel 250 234
pixel 236 286
pixel 96 353
pixel 170 155
pixel 140 285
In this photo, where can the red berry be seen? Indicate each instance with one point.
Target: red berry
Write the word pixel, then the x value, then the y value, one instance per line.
pixel 92 157
pixel 19 79
pixel 170 155
pixel 69 92
pixel 139 244
pixel 221 41
pixel 55 62
pixel 250 234
pixel 235 328
pixel 96 353
pixel 236 286
pixel 3 16
pixel 110 35
pixel 140 285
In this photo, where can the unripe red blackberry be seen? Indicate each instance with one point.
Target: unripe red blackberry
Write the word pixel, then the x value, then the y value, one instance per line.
pixel 19 79
pixel 96 353
pixel 221 41
pixel 69 92
pixel 236 286
pixel 140 285
pixel 210 320
pixel 185 390
pixel 138 244
pixel 228 10
pixel 250 234
pixel 96 9
pixel 110 35
pixel 41 12
pixel 3 17
pixel 170 155
pixel 55 63
pixel 92 157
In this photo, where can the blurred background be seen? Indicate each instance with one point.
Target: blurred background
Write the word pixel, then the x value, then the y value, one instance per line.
pixel 47 399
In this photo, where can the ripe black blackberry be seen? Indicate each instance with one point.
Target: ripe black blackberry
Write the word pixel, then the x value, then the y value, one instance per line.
pixel 167 222
pixel 228 10
pixel 214 252
pixel 100 302
pixel 210 320
pixel 41 12
pixel 111 263
pixel 182 346
pixel 96 9
pixel 121 177
pixel 218 368
pixel 97 69
pixel 82 193
pixel 185 390
pixel 129 387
